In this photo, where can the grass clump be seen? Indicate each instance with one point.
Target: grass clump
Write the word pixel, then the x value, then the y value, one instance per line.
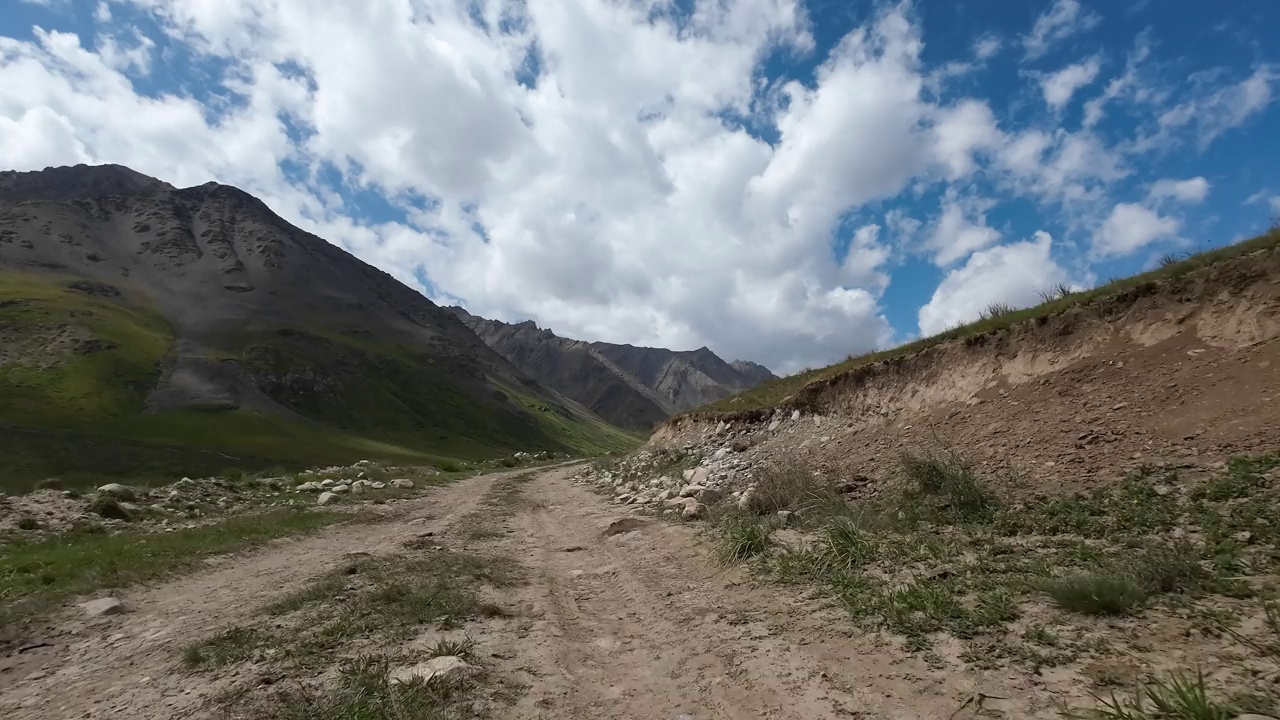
pixel 227 647
pixel 951 482
pixel 34 576
pixel 744 538
pixel 108 507
pixel 28 523
pixel 1177 697
pixel 365 691
pixel 845 545
pixel 1095 593
pixel 464 648
pixel 792 488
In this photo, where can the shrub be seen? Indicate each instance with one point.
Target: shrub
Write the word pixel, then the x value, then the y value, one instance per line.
pixel 1095 593
pixel 844 545
pixel 108 507
pixel 52 483
pixel 951 479
pixel 1168 569
pixel 996 309
pixel 1180 696
pixel 791 488
pixel 742 540
pixel 448 466
pixel 28 523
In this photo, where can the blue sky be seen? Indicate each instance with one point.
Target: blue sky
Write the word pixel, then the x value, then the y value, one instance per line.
pixel 781 181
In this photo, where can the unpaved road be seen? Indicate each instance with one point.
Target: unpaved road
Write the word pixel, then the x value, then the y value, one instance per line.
pixel 642 624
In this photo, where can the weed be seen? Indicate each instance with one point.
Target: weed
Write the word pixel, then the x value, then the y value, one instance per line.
pixel 230 646
pixel 464 648
pixel 1040 635
pixel 740 540
pixel 845 545
pixel 107 507
pixel 1164 569
pixel 364 689
pixel 1179 697
pixel 1094 593
pixel 28 523
pixel 996 309
pixel 791 488
pixel 51 483
pixel 951 480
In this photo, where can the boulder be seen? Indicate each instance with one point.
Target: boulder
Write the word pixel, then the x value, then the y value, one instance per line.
pixel 377 485
pixel 663 496
pixel 795 414
pixel 340 489
pixel 774 425
pixel 785 516
pixel 118 491
pixel 746 499
pixel 327 483
pixel 693 510
pixel 699 477
pixel 326 498
pixel 402 483
pixel 103 606
pixel 311 486
pixel 358 488
pixel 690 490
pixel 624 498
pixel 720 454
pixel 688 475
pixel 445 667
pixel 708 496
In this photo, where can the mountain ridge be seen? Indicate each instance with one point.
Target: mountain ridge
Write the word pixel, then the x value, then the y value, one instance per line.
pixel 631 386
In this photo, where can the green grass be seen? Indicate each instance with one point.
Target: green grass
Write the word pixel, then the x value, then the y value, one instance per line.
pixel 385 598
pixel 79 415
pixel 363 690
pixel 1176 697
pixel 35 576
pixel 773 393
pixel 1095 593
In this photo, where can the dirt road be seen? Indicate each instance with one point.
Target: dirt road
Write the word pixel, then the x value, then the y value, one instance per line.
pixel 642 624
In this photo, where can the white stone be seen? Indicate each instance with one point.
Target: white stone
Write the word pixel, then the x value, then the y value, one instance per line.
pixel 327 483
pixel 688 475
pixel 720 454
pixel 693 510
pixel 377 485
pixel 690 490
pixel 357 489
pixel 774 425
pixel 118 491
pixel 326 498
pixel 699 477
pixel 340 489
pixel 402 483
pixel 746 498
pixel 103 606
pixel 795 415
pixel 310 486
pixel 663 496
pixel 445 666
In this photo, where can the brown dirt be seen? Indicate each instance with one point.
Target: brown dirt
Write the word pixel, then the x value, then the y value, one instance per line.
pixel 1181 373
pixel 642 624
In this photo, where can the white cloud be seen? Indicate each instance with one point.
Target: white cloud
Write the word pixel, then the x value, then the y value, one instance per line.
pixel 1215 110
pixel 1128 85
pixel 987 46
pixel 960 131
pixel 1058 87
pixel 1062 19
pixel 1013 274
pixel 1131 227
pixel 1264 197
pixel 1192 190
pixel 955 235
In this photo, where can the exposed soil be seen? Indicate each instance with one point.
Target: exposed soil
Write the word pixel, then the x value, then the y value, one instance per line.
pixel 640 624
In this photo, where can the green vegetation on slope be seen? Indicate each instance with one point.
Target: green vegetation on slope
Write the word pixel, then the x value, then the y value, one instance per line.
pixel 76 369
pixel 770 394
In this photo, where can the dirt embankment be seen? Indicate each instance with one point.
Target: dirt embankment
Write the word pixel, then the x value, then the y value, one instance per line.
pixel 1180 372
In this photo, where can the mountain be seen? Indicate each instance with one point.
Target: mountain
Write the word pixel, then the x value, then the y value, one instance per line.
pixel 197 325
pixel 632 387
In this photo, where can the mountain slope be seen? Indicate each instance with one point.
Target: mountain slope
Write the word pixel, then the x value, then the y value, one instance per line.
pixel 632 387
pixel 197 318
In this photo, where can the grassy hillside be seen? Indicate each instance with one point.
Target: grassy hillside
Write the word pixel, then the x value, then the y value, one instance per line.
pixel 76 368
pixel 770 394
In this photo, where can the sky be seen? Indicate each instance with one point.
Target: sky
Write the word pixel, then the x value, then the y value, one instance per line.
pixel 781 181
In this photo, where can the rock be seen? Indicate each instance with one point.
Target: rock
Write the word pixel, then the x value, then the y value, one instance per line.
pixel 1244 536
pixel 327 483
pixel 311 486
pixel 326 498
pixel 699 476
pixel 103 606
pixel 693 510
pixel 785 516
pixel 402 483
pixel 357 488
pixel 688 475
pixel 690 490
pixel 340 489
pixel 720 454
pixel 708 496
pixel 445 666
pixel 130 507
pixel 377 485
pixel 774 425
pixel 624 498
pixel 622 525
pixel 118 491
pixel 679 502
pixel 663 496
pixel 746 499
pixel 795 415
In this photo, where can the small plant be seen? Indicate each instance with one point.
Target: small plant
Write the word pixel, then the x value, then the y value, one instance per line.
pixel 52 483
pixel 1060 291
pixel 996 309
pixel 743 540
pixel 449 466
pixel 464 648
pixel 1172 259
pixel 108 507
pixel 791 488
pixel 844 545
pixel 230 646
pixel 1169 569
pixel 28 523
pixel 1179 697
pixel 951 479
pixel 1095 593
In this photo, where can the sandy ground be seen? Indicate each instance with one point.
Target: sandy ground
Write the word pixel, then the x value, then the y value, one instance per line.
pixel 642 624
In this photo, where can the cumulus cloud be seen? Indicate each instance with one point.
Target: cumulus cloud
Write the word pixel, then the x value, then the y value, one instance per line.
pixel 987 46
pixel 961 229
pixel 1192 190
pixel 1061 20
pixel 1131 227
pixel 1213 108
pixel 1058 87
pixel 1015 274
